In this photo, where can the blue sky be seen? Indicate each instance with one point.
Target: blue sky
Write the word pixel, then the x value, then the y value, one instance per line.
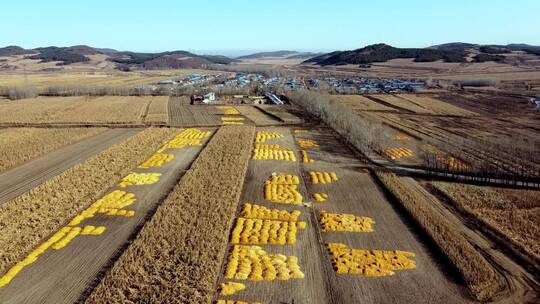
pixel 238 26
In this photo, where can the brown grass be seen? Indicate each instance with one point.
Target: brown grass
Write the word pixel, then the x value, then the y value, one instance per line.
pixel 33 216
pixel 510 212
pixel 479 276
pixel 360 103
pixel 177 256
pixel 81 109
pixel 18 145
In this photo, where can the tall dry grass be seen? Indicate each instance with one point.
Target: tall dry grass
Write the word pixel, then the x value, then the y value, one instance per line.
pixel 480 277
pixel 510 212
pixel 28 219
pixel 18 145
pixel 177 256
pixel 158 111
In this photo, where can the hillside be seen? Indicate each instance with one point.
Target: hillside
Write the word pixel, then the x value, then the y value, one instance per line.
pixel 121 60
pixel 280 55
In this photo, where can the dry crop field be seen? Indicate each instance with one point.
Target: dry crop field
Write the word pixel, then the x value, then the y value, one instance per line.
pixel 85 110
pixel 179 203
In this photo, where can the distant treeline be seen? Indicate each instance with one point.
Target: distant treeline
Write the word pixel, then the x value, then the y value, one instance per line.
pixel 382 52
pixel 63 55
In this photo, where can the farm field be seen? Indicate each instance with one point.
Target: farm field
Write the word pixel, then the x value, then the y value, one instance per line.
pixel 82 78
pixel 261 204
pixel 90 254
pixel 30 174
pixel 15 143
pixel 354 192
pixel 77 110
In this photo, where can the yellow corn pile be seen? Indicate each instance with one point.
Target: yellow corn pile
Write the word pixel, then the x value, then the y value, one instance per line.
pixel 109 204
pixel 307 143
pixel 371 263
pixel 139 179
pixel 57 241
pixel 283 189
pixel 273 152
pixel 397 153
pixel 263 213
pixel 157 160
pixel 231 288
pixel 263 136
pixel 232 118
pixel 258 231
pixel 228 110
pixel 320 197
pixel 253 263
pixel 322 177
pixel 301 131
pixel 188 137
pixel 346 223
pixel 305 157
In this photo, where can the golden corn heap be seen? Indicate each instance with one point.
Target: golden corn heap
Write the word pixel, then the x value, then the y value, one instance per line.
pixel 452 162
pixel 259 231
pixel 307 143
pixel 228 110
pixel 300 131
pixel 273 152
pixel 397 153
pixel 157 160
pixel 261 212
pixel 263 136
pixel 231 288
pixel 139 179
pixel 305 157
pixel 371 263
pixel 322 177
pixel 283 189
pixel 320 197
pixel 57 241
pixel 234 302
pixel 399 137
pixel 346 223
pixel 110 204
pixel 253 263
pixel 188 137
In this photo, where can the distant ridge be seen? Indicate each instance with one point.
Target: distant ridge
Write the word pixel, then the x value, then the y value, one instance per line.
pixel 280 54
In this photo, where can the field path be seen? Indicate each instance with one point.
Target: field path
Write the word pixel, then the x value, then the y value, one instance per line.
pixel 67 275
pixel 27 176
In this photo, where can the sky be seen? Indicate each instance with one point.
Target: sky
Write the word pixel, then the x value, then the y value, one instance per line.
pixel 237 27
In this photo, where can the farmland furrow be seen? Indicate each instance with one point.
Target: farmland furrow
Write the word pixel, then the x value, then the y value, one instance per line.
pixel 21 179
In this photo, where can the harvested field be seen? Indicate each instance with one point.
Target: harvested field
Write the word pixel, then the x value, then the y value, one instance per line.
pixel 116 216
pixel 185 240
pixel 285 113
pixel 402 104
pixel 158 111
pixel 18 145
pixel 23 178
pixel 308 276
pixel 80 109
pixel 509 212
pixel 436 105
pixel 260 118
pixel 182 114
pixel 481 278
pixel 33 216
pixel 361 103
